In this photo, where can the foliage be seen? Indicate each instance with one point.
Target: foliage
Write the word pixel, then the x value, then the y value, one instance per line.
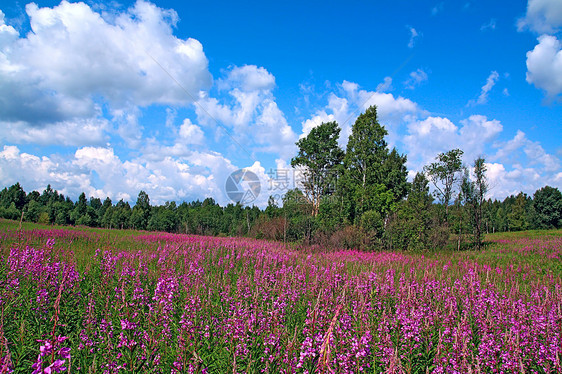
pixel 320 159
pixel 374 178
pixel 547 206
pixel 444 174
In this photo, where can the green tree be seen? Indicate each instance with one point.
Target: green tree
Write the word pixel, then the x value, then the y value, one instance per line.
pixel 34 210
pixel 13 195
pixel 140 215
pixel 517 217
pixel 547 206
pixel 164 218
pixel 320 159
pixel 474 193
pixel 411 226
pixel 444 174
pixel 373 178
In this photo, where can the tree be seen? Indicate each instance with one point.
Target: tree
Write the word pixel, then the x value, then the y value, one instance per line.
pixel 480 191
pixel 444 174
pixel 395 174
pixel 141 212
pixel 13 195
pixel 320 158
pixel 373 178
pixel 80 209
pixel 517 217
pixel 411 226
pixel 474 193
pixel 296 208
pixel 547 204
pixel 164 218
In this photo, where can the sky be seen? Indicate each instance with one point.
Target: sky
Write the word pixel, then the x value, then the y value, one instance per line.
pixel 110 98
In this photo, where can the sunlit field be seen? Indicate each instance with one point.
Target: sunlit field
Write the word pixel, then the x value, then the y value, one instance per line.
pixel 108 301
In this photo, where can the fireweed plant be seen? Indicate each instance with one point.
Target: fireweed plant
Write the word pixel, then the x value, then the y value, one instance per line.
pixel 114 302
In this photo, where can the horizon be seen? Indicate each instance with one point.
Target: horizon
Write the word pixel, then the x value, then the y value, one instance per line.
pixel 111 99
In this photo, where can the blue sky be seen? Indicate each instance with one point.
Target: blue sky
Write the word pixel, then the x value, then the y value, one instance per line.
pixel 167 97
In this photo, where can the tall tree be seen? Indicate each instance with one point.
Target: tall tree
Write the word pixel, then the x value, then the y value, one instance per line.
pixel 320 158
pixel 517 217
pixel 547 204
pixel 473 194
pixel 141 212
pixel 13 195
pixel 411 225
pixel 374 179
pixel 444 174
pixel 480 190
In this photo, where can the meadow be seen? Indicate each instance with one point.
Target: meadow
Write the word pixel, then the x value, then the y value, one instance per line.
pixel 108 301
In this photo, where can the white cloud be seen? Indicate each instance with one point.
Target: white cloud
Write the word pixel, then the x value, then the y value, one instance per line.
pixel 544 65
pixel 543 16
pixel 345 106
pixel 250 113
pixel 413 36
pixel 250 78
pixel 433 135
pixel 74 57
pixel 416 78
pixel 35 173
pixel 191 133
pixel 486 88
pixel 317 120
pixel 89 131
pixel 199 174
pixel 520 149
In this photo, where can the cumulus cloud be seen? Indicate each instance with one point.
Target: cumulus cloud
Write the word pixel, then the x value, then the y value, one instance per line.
pixel 544 65
pixel 345 106
pixel 191 133
pixel 543 16
pixel 521 150
pixel 317 120
pixel 250 112
pixel 250 78
pixel 73 57
pixel 198 174
pixel 433 135
pixel 88 131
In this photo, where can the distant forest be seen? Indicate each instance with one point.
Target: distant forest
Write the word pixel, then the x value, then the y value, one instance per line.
pixel 357 198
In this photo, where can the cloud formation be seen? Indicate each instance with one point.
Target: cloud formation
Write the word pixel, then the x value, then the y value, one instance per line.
pixel 48 75
pixel 543 16
pixel 416 78
pixel 413 36
pixel 486 88
pixel 544 66
pixel 250 113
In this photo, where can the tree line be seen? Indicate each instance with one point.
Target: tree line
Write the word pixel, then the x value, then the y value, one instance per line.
pixel 359 197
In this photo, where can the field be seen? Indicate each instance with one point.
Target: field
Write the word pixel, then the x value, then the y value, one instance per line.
pixel 107 301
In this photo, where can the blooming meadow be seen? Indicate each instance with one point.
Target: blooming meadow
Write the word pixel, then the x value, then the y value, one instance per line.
pixel 137 302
